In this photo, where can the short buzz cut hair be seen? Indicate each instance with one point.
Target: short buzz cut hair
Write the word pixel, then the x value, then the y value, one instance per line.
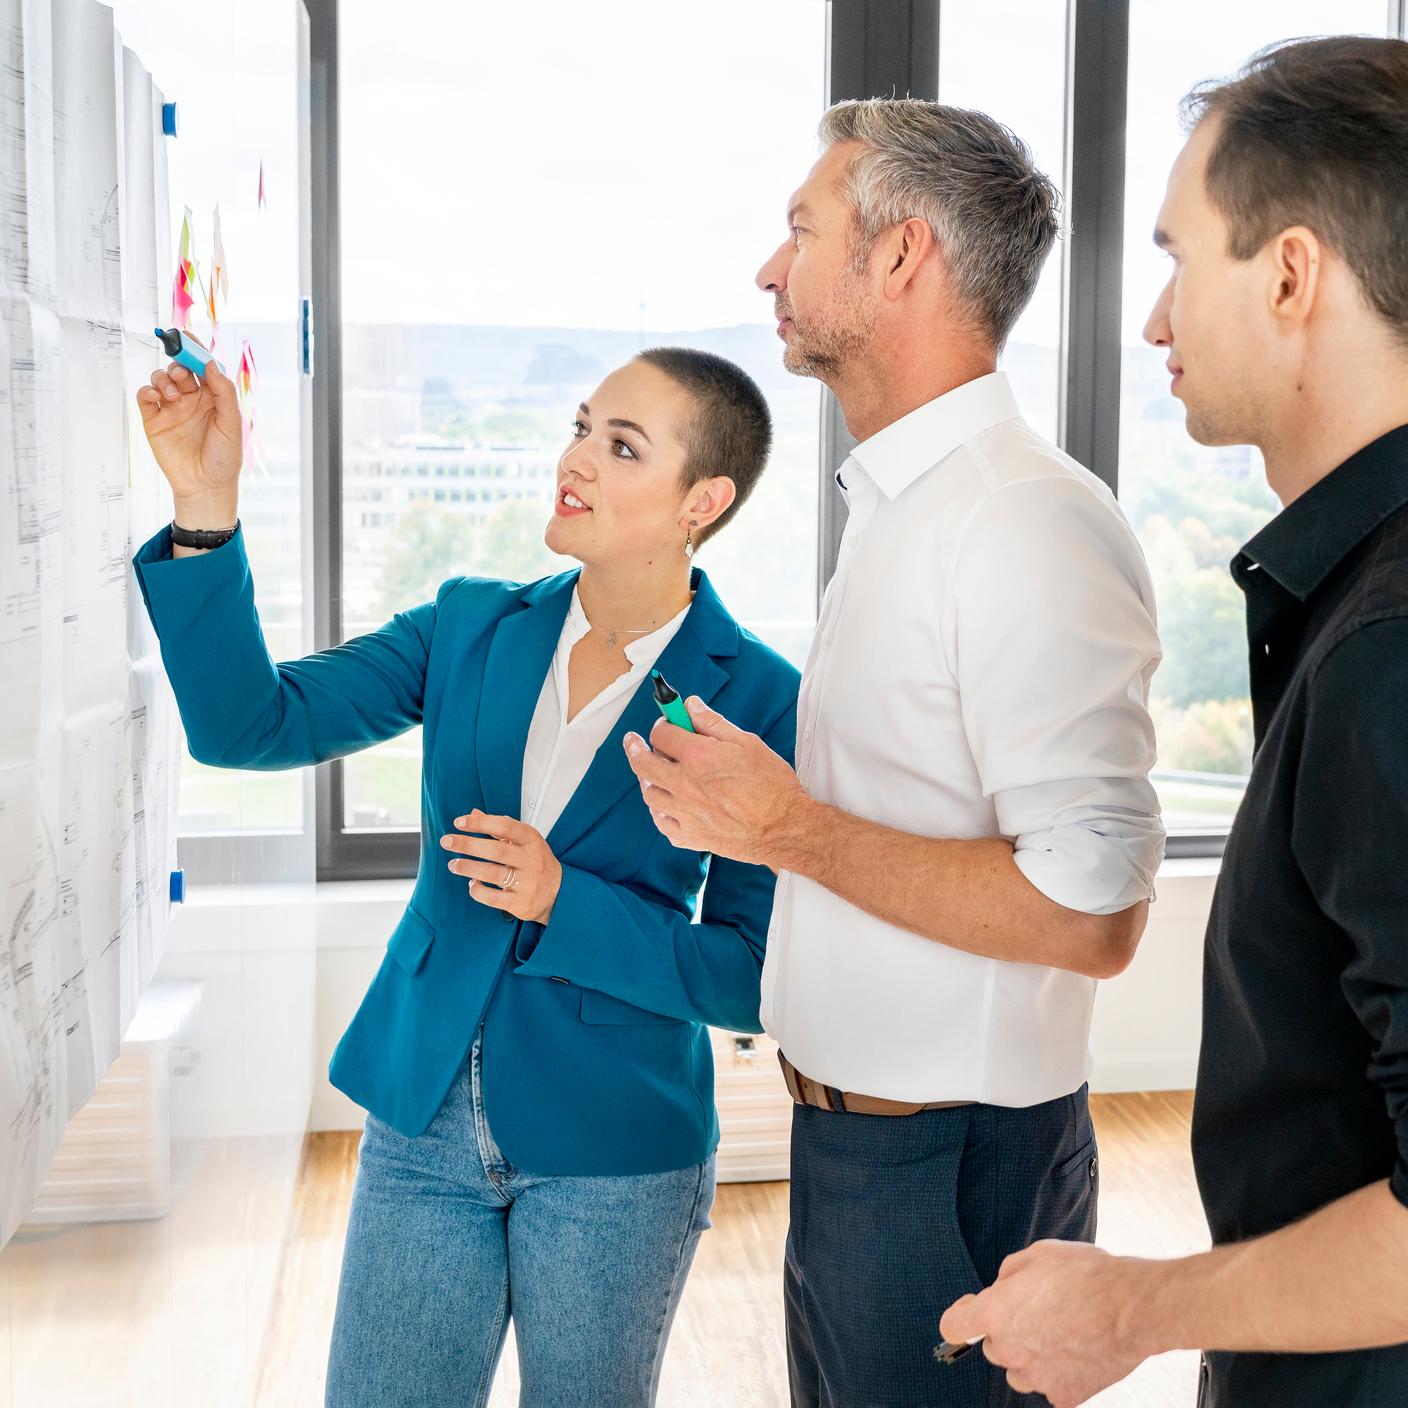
pixel 730 432
pixel 993 214
pixel 1315 133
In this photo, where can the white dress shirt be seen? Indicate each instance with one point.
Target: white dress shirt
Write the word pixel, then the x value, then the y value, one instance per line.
pixel 981 667
pixel 559 753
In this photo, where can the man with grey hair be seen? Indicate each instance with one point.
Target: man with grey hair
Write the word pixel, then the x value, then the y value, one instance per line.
pixel 970 839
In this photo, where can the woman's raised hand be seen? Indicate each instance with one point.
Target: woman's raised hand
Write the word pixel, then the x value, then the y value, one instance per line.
pixel 193 426
pixel 508 865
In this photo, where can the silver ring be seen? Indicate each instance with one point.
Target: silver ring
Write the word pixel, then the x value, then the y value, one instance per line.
pixel 510 881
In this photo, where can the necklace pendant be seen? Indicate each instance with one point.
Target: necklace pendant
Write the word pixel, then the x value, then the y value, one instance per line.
pixel 610 639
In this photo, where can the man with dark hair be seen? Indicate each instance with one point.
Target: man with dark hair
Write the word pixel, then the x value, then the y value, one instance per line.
pixel 1286 320
pixel 970 839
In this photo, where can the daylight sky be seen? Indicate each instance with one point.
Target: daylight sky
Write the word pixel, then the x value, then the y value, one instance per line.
pixel 619 164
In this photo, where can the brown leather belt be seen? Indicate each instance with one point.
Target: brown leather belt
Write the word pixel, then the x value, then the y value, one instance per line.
pixel 806 1091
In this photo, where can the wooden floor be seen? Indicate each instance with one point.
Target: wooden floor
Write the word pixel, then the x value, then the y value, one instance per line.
pixel 726 1350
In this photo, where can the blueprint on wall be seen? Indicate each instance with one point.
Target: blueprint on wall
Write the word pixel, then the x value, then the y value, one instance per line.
pixel 89 736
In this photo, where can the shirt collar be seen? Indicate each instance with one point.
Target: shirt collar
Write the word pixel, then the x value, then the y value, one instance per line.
pixel 897 455
pixel 576 625
pixel 1306 541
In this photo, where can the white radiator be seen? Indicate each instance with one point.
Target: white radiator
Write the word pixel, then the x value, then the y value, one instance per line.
pixel 755 1110
pixel 114 1163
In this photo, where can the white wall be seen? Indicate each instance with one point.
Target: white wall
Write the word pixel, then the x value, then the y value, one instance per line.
pixel 1148 1020
pixel 1146 1027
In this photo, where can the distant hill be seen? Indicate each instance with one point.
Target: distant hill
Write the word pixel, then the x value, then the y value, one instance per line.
pixel 499 356
pixel 405 355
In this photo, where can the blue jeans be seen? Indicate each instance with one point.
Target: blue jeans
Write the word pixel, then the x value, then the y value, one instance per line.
pixel 447 1240
pixel 895 1218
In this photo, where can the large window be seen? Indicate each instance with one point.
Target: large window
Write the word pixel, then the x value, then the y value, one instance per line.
pixel 529 197
pixel 1193 508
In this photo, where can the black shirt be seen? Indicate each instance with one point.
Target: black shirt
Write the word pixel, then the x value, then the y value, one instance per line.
pixel 1303 1078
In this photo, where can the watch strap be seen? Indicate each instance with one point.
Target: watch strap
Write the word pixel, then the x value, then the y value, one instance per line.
pixel 202 537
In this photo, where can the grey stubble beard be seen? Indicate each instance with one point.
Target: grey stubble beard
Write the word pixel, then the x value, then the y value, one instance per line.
pixel 825 352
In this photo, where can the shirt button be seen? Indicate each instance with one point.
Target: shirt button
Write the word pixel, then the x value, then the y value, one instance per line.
pixel 807 736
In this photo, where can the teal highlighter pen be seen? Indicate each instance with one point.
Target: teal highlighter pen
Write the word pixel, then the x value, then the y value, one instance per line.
pixel 183 348
pixel 669 702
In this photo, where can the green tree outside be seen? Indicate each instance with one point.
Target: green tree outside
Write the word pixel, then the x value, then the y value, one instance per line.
pixel 1192 521
pixel 429 543
pixel 509 543
pixel 426 545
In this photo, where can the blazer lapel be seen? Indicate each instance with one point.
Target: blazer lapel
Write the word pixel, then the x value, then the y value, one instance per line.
pixel 520 656
pixel 691 664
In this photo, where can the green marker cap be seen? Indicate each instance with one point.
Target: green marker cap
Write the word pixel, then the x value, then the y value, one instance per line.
pixel 670 703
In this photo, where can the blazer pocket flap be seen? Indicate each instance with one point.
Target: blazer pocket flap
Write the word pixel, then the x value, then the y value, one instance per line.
pixel 410 940
pixel 600 1009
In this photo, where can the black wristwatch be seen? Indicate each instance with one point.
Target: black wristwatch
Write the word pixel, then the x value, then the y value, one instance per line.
pixel 202 537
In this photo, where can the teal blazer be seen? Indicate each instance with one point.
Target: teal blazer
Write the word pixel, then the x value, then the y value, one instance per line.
pixel 596 1059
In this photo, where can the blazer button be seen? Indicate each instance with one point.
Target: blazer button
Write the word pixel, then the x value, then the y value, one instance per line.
pixel 506 915
pixel 1094 1167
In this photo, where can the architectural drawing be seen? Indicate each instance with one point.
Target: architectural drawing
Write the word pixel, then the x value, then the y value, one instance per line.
pixel 88 732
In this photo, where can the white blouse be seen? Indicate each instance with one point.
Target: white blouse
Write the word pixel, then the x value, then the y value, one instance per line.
pixel 559 753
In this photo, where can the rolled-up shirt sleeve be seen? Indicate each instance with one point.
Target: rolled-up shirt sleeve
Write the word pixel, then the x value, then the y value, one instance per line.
pixel 1349 835
pixel 1055 642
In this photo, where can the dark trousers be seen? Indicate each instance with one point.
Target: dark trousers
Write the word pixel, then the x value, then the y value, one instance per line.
pixel 895 1218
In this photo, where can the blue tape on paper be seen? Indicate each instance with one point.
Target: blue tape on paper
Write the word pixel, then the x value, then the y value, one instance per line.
pixel 178 887
pixel 168 119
